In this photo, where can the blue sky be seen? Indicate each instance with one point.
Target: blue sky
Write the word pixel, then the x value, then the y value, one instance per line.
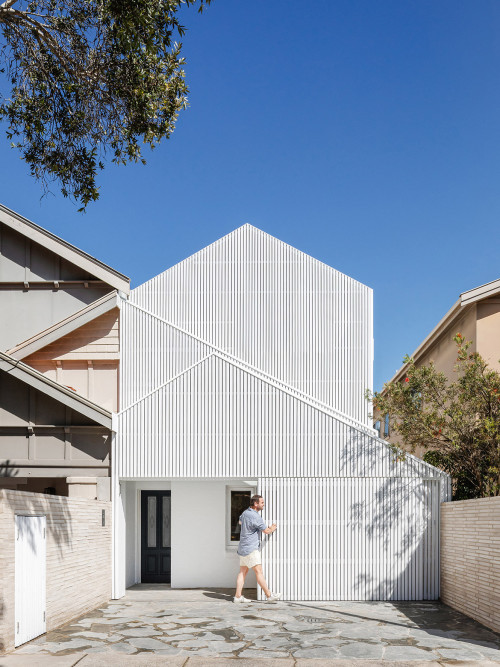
pixel 364 133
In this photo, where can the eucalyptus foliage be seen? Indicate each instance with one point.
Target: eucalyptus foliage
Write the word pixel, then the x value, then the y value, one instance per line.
pixel 456 421
pixel 87 79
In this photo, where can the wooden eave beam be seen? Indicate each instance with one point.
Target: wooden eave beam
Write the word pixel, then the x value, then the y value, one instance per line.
pixel 64 249
pixel 66 326
pixel 54 390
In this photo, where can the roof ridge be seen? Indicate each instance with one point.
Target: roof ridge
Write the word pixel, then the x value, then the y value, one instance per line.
pixel 254 229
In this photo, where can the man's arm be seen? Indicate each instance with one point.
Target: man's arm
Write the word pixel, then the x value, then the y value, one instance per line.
pixel 270 529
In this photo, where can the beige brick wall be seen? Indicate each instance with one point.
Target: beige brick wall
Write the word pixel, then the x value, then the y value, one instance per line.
pixel 78 556
pixel 470 558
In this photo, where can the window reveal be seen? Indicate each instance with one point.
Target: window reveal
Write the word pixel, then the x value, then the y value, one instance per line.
pixel 240 501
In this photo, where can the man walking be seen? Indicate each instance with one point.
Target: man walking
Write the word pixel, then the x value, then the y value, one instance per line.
pixel 252 524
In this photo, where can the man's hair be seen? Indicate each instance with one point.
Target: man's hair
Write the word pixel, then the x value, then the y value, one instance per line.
pixel 254 500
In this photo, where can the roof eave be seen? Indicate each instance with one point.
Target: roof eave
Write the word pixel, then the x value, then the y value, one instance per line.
pixel 481 292
pixel 56 391
pixel 428 340
pixel 66 326
pixel 64 249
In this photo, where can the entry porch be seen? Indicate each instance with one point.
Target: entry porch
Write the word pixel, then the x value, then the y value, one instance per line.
pixel 181 532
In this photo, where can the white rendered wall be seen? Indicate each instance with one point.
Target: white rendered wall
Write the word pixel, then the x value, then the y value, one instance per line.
pixel 200 555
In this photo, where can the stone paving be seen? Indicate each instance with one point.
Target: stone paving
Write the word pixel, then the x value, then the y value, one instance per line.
pixel 206 623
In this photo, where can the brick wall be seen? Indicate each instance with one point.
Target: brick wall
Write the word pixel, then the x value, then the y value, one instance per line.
pixel 470 558
pixel 78 556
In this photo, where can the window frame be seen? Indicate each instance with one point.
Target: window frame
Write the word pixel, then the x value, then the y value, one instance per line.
pixel 233 545
pixel 387 426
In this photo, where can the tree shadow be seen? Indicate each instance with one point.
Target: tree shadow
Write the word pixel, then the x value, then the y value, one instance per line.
pixel 59 522
pixel 448 623
pixel 59 527
pixel 8 470
pixel 399 521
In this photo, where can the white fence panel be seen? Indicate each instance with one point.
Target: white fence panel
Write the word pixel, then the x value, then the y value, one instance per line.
pixel 30 574
pixel 352 538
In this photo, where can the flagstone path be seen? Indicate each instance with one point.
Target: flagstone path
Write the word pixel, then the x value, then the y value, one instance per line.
pixel 207 623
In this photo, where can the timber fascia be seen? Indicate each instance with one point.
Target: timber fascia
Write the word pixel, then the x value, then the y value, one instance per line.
pixel 54 390
pixel 64 249
pixel 66 326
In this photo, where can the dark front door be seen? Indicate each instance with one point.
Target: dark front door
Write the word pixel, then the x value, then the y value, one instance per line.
pixel 155 537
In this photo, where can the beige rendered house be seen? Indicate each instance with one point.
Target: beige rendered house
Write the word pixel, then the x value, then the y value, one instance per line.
pixel 476 315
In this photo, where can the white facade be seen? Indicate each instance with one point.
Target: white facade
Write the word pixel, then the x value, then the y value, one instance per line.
pixel 274 308
pixel 249 361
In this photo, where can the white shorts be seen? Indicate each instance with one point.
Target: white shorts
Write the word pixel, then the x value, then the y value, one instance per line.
pixel 251 560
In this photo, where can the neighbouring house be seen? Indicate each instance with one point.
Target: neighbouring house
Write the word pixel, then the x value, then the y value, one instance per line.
pixel 476 315
pixel 59 341
pixel 59 356
pixel 243 369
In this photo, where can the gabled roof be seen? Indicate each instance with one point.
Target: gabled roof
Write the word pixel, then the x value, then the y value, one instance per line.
pixel 466 299
pixel 66 326
pixel 64 249
pixel 481 292
pixel 256 233
pixel 55 390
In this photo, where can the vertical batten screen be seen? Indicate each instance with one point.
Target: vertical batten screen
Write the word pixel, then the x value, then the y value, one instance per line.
pixel 275 308
pixel 216 420
pixel 352 538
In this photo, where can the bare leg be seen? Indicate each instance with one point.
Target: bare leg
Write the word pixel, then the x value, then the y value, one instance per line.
pixel 261 581
pixel 240 580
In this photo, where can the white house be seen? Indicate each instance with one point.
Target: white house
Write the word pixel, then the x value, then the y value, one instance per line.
pixel 243 369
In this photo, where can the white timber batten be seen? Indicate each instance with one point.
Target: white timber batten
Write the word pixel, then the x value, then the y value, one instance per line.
pixel 250 361
pixel 154 331
pixel 352 539
pixel 218 420
pixel 278 310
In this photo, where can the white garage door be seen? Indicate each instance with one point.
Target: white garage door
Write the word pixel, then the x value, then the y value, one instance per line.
pixel 352 538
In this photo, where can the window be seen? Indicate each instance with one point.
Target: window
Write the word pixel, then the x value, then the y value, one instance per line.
pixel 386 426
pixel 240 501
pixel 377 426
pixel 417 398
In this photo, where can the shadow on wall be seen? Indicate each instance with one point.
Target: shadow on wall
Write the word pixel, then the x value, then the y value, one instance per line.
pixel 58 522
pixel 54 508
pixel 8 470
pixel 396 519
